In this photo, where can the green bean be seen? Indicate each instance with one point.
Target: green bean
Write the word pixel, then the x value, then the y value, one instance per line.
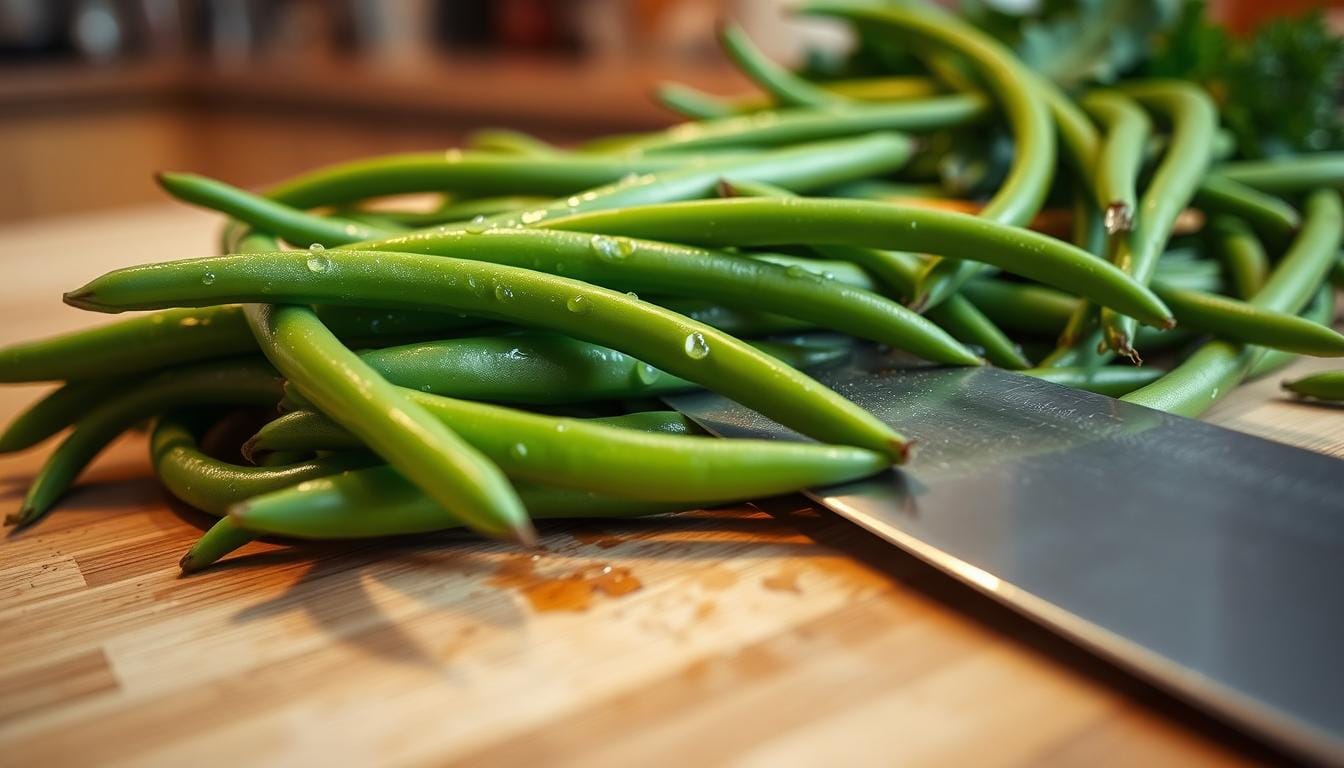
pixel 213 486
pixel 1328 385
pixel 790 126
pixel 630 265
pixel 332 377
pixel 1248 323
pixel 801 167
pixel 223 537
pixel 764 221
pixel 1271 218
pixel 692 102
pixel 55 412
pixel 1289 175
pixel 899 273
pixel 1112 381
pixel 664 339
pixel 601 456
pixel 241 382
pixel 1023 190
pixel 1194 119
pixel 1216 367
pixel 1321 310
pixel 178 336
pixel 379 502
pixel 736 322
pixel 787 88
pixel 511 142
pixel 1121 155
pixel 839 270
pixel 546 369
pixel 1242 255
pixel 462 173
pixel 1025 308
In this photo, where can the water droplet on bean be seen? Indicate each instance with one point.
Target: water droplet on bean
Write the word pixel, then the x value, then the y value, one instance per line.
pixel 208 278
pixel 319 262
pixel 577 305
pixel 796 272
pixel 646 374
pixel 503 292
pixel 477 224
pixel 696 346
pixel 518 451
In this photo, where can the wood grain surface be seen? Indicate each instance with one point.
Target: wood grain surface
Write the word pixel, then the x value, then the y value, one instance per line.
pixel 776 636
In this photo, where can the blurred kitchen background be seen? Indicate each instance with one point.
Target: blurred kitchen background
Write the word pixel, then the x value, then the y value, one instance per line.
pixel 96 95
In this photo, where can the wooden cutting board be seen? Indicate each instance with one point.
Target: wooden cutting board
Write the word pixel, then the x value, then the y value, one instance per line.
pixel 739 636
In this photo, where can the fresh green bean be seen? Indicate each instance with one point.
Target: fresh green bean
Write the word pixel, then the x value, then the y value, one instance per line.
pixel 241 382
pixel 55 412
pixel 1216 367
pixel 213 486
pixel 1120 158
pixel 840 270
pixel 1289 175
pixel 463 173
pixel 1328 385
pixel 1242 255
pixel 1025 308
pixel 602 456
pixel 765 221
pixel 785 87
pixel 698 105
pixel 1023 190
pixel 664 339
pixel 692 102
pixel 1321 310
pixel 1271 217
pixel 790 126
pixel 629 265
pixel 1109 380
pixel 1194 119
pixel 379 502
pixel 1248 323
pixel 546 369
pixel 332 377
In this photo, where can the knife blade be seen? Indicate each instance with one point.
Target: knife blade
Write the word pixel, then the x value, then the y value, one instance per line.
pixel 1208 561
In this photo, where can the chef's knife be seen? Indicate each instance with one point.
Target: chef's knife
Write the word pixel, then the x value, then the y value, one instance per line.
pixel 1206 560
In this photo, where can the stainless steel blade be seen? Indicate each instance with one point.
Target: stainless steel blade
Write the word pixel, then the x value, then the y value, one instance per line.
pixel 1209 561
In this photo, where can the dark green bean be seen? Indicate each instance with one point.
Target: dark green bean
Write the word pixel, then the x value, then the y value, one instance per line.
pixel 1242 255
pixel 602 456
pixel 1328 385
pixel 1025 308
pixel 432 456
pixel 767 221
pixel 1321 310
pixel 664 339
pixel 1218 366
pixel 240 382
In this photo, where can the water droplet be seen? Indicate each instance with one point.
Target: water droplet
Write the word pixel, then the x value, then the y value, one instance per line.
pixel 796 272
pixel 828 275
pixel 351 230
pixel 477 224
pixel 476 286
pixel 532 217
pixel 317 248
pixel 503 292
pixel 646 374
pixel 696 346
pixel 632 295
pixel 561 428
pixel 319 262
pixel 518 451
pixel 625 247
pixel 578 305
pixel 208 278
pixel 573 201
pixel 611 248
pixel 914 225
pixel 188 322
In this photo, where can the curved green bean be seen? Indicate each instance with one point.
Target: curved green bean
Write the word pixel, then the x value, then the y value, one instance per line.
pixel 55 412
pixel 664 339
pixel 1216 367
pixel 787 88
pixel 511 142
pixel 239 382
pixel 332 377
pixel 1116 174
pixel 766 221
pixel 1242 255
pixel 1288 175
pixel 1321 310
pixel 1271 217
pixel 606 457
pixel 1194 120
pixel 1248 323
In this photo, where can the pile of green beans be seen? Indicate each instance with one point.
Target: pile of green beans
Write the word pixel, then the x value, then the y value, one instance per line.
pixel 493 357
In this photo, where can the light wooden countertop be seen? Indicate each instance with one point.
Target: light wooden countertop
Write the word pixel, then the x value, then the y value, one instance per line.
pixel 754 638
